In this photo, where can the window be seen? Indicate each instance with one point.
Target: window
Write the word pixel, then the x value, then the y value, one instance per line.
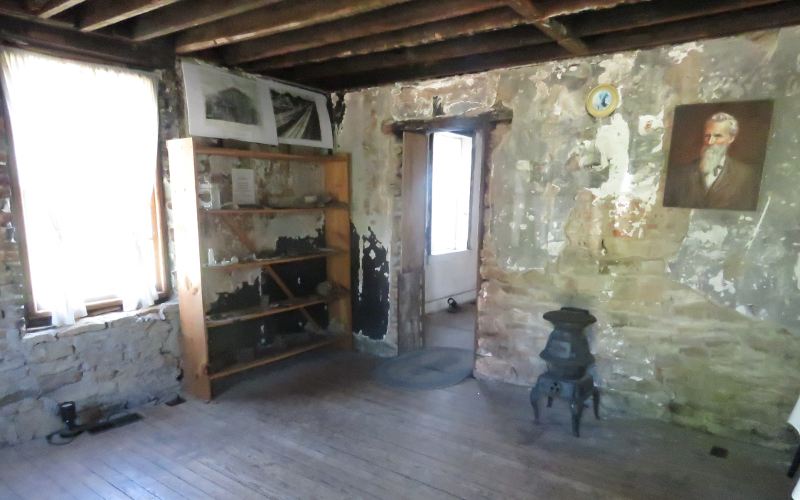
pixel 451 179
pixel 85 140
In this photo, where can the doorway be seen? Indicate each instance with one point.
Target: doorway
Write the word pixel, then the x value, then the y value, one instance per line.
pixel 441 235
pixel 451 264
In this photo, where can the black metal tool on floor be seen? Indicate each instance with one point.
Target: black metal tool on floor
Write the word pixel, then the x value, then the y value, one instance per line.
pixel 69 415
pixel 568 359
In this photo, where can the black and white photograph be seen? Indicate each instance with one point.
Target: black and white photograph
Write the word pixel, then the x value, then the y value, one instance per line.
pixel 224 105
pixel 301 116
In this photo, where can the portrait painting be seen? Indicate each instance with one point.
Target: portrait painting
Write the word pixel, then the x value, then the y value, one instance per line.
pixel 716 155
pixel 225 105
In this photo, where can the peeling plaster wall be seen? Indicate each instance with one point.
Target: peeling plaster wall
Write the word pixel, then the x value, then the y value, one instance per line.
pixel 698 310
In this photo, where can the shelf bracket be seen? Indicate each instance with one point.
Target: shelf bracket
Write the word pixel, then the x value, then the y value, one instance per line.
pixel 242 236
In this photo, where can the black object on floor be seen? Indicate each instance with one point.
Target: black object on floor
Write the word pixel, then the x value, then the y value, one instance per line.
pixel 452 305
pixel 177 400
pixel 114 422
pixel 429 368
pixel 719 452
pixel 568 359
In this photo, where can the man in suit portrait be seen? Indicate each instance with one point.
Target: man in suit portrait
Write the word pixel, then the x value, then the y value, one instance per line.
pixel 715 179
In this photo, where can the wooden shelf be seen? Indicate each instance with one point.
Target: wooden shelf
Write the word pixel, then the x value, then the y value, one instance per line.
pixel 321 254
pixel 187 159
pixel 275 211
pixel 240 367
pixel 267 155
pixel 270 310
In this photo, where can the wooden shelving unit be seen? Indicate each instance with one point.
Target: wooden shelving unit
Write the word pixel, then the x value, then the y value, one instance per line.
pixel 197 324
pixel 323 253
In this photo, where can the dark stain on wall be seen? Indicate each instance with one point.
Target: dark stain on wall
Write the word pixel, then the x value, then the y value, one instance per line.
pixel 337 109
pixel 371 304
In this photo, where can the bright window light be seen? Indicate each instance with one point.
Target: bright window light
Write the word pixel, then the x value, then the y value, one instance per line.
pixel 451 179
pixel 85 142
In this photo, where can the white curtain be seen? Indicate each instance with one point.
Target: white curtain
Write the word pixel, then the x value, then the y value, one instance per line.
pixel 85 139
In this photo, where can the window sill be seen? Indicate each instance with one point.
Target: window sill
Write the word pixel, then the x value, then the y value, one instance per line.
pixel 104 321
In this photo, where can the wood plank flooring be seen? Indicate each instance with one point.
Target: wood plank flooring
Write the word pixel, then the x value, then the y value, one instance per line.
pixel 318 427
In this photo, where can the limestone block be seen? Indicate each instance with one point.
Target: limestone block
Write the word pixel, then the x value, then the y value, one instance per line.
pixel 86 392
pixel 35 420
pixel 50 351
pixel 52 381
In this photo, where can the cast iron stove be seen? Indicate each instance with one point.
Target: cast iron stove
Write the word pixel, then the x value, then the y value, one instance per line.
pixel 568 359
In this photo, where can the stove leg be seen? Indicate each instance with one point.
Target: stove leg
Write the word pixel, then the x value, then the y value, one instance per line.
pixel 576 408
pixel 596 402
pixel 795 463
pixel 535 404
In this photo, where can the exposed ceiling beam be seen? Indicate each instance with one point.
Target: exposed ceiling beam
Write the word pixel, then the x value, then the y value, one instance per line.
pixel 395 18
pixel 589 23
pixel 182 17
pixel 54 7
pixel 469 64
pixel 101 13
pixel 553 8
pixel 522 36
pixel 285 16
pixel 497 19
pixel 729 23
pixel 87 46
pixel 629 17
pixel 550 27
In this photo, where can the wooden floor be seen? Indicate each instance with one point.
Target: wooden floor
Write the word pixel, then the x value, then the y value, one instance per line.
pixel 317 427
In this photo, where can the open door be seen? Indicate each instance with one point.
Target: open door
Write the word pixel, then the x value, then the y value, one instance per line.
pixel 451 267
pixel 411 284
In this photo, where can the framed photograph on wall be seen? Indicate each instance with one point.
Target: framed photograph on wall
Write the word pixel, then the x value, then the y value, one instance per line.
pixel 301 116
pixel 224 105
pixel 717 154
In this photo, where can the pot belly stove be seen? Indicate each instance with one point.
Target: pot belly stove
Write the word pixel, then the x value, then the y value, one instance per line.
pixel 568 360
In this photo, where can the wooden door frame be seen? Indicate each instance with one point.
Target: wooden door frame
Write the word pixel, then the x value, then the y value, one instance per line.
pixel 413 225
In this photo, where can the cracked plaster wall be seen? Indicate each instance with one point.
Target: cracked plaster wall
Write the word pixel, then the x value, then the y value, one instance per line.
pixel 698 310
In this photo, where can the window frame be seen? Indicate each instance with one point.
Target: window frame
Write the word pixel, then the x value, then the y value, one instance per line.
pixel 35 318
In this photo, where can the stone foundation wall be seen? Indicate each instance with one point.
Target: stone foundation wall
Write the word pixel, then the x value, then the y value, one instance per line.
pixel 105 364
pixel 697 309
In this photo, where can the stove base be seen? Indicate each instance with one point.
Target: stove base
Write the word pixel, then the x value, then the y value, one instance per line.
pixel 575 391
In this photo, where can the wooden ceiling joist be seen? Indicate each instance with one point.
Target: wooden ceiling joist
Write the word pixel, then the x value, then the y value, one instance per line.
pixel 87 46
pixel 55 7
pixel 468 64
pixel 550 27
pixel 340 44
pixel 179 18
pixel 395 18
pixel 98 14
pixel 498 19
pixel 728 23
pixel 641 15
pixel 553 8
pixel 284 16
pixel 522 36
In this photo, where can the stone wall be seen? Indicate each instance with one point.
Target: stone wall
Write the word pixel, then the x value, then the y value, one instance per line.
pixel 106 363
pixel 697 309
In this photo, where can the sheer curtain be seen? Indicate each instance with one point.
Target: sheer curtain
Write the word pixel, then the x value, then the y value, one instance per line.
pixel 85 140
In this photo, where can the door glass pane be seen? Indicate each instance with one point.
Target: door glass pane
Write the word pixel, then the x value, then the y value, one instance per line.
pixel 451 178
